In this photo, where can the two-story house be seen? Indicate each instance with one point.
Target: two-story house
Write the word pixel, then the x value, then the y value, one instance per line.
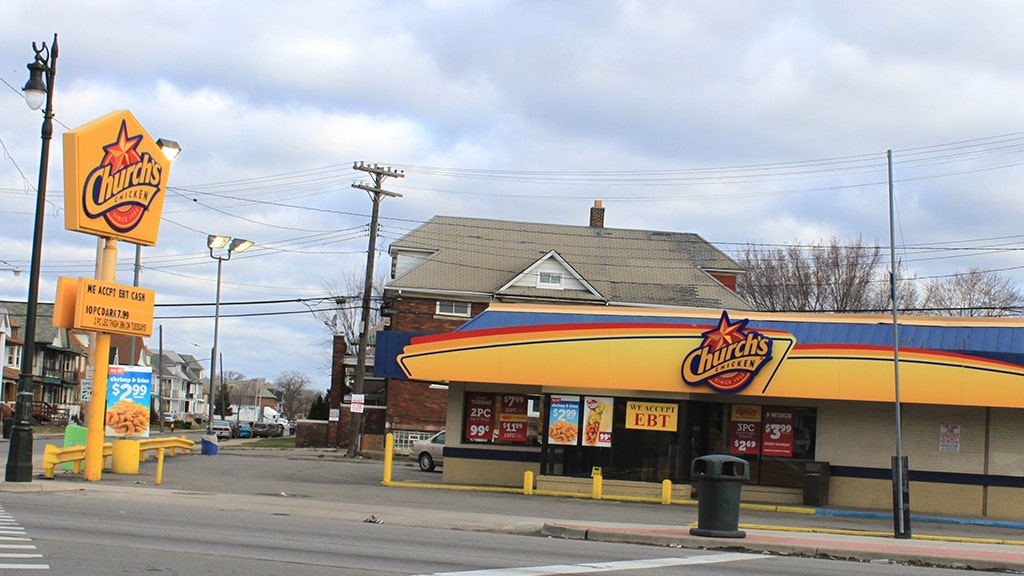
pixel 450 269
pixel 58 367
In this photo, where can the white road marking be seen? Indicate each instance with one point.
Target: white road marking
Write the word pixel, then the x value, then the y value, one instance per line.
pixel 605 566
pixel 7 526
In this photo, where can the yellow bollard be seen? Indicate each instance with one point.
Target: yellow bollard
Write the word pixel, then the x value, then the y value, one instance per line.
pixel 389 455
pixel 528 482
pixel 126 457
pixel 160 465
pixel 598 485
pixel 666 491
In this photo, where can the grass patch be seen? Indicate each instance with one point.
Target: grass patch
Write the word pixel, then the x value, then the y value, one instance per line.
pixel 279 442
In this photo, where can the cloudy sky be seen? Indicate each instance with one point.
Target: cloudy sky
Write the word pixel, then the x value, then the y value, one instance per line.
pixel 744 122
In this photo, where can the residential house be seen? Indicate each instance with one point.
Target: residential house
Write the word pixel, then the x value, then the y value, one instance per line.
pixel 58 367
pixel 450 269
pixel 181 385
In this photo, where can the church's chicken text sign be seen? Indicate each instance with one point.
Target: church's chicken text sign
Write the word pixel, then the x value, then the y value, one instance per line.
pixel 115 179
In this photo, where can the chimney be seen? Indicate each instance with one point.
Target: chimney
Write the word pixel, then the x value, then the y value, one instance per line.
pixel 597 215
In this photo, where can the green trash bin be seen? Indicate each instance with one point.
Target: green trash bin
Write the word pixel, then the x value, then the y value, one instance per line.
pixel 719 480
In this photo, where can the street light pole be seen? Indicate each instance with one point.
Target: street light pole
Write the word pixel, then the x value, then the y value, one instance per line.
pixel 38 90
pixel 233 245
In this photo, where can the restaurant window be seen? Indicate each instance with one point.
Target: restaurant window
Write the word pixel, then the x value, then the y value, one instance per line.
pixel 778 441
pixel 621 438
pixel 499 418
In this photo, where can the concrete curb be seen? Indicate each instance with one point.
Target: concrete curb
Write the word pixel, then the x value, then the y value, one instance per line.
pixel 860 548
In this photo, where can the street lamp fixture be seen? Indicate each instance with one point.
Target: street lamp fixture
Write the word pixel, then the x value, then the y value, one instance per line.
pixel 38 91
pixel 236 245
pixel 170 148
pixel 13 268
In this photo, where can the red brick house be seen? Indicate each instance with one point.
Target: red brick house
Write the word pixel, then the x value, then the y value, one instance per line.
pixel 450 269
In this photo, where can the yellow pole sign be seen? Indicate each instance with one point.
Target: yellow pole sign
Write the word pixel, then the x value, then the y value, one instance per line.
pixel 104 307
pixel 115 179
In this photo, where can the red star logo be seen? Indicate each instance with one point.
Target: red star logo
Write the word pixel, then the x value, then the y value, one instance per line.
pixel 726 333
pixel 122 153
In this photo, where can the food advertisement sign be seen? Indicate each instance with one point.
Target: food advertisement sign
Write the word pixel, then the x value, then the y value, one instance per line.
pixel 743 438
pixel 512 419
pixel 128 396
pixel 479 417
pixel 597 421
pixel 564 420
pixel 777 432
pixel 744 428
pixel 115 179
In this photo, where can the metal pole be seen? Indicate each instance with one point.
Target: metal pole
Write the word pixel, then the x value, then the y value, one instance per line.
pixel 213 353
pixel 133 339
pixel 19 457
pixel 901 524
pixel 160 379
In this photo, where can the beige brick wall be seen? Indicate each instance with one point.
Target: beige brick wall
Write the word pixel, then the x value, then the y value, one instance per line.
pixel 1007 444
pixel 863 434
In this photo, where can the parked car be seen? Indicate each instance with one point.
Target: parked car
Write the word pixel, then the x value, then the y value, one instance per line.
pixel 429 453
pixel 222 428
pixel 245 430
pixel 261 430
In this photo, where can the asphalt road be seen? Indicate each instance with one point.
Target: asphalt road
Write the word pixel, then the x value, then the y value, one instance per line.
pixel 307 512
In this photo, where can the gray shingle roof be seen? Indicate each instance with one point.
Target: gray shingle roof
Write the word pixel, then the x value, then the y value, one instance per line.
pixel 472 255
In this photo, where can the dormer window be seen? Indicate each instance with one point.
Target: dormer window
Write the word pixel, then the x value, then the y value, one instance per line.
pixel 549 280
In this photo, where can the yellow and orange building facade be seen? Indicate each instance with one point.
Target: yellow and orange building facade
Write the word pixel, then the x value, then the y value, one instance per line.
pixel 730 378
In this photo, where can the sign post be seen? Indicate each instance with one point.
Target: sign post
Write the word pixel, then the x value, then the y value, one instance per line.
pixel 115 181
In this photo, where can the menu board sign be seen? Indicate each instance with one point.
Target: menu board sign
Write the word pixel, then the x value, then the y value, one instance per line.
pixel 512 419
pixel 563 420
pixel 744 429
pixel 479 416
pixel 597 421
pixel 777 432
pixel 743 438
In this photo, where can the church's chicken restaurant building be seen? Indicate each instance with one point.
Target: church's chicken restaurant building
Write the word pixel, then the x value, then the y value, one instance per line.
pixel 637 394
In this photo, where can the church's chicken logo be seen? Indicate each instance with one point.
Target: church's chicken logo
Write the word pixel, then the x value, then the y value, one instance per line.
pixel 729 357
pixel 124 184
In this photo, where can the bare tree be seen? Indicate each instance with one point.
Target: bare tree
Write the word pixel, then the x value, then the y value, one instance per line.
pixel 832 277
pixel 975 293
pixel 906 291
pixel 342 309
pixel 296 395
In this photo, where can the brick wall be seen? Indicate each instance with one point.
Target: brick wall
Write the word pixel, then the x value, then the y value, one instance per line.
pixel 415 406
pixel 419 315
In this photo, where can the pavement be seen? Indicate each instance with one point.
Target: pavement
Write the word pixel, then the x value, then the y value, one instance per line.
pixel 972 543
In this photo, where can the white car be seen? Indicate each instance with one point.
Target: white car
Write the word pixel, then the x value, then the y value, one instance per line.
pixel 222 428
pixel 428 453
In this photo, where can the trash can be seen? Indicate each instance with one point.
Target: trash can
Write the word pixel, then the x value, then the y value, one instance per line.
pixel 719 480
pixel 125 457
pixel 209 445
pixel 817 476
pixel 8 426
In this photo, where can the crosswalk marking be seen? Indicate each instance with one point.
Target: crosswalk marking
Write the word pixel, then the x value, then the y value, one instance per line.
pixel 10 533
pixel 605 566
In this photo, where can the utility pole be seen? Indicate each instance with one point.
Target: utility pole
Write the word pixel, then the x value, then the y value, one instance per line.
pixel 378 174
